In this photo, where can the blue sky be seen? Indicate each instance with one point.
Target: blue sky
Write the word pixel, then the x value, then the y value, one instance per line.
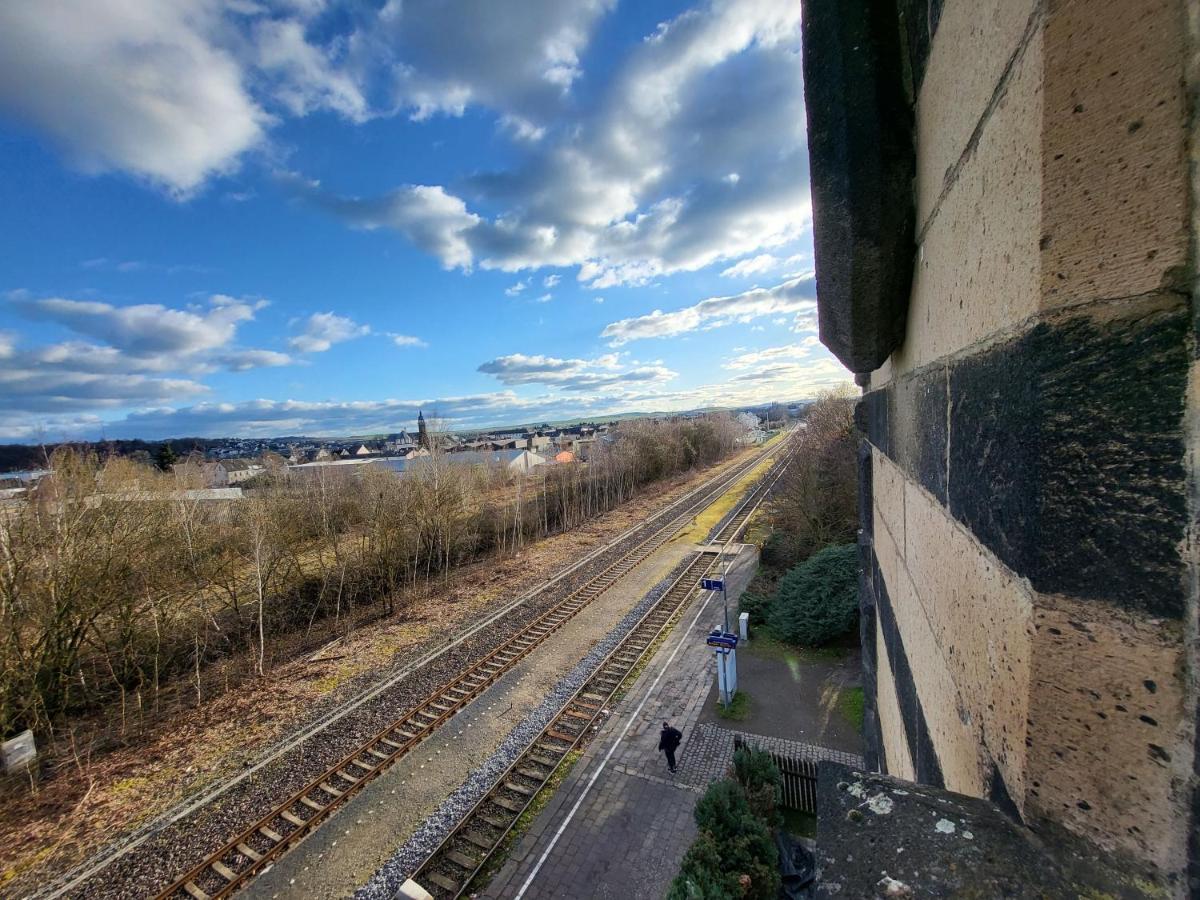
pixel 298 216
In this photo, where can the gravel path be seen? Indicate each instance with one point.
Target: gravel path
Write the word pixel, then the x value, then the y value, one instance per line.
pixel 387 880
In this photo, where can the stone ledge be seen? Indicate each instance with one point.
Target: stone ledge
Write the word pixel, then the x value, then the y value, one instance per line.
pixel 879 836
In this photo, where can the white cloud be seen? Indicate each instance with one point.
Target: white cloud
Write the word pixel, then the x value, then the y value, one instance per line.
pixel 581 375
pixel 323 330
pixel 756 265
pixel 133 85
pixel 791 296
pixel 244 360
pixel 144 329
pixel 407 340
pixel 551 280
pixel 437 222
pixel 518 57
pixel 747 360
pixel 306 77
pixel 637 186
pixel 545 298
pixel 516 288
pixel 128 356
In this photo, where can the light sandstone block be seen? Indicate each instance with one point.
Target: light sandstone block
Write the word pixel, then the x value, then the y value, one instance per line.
pixel 981 616
pixel 977 269
pixel 891 724
pixel 971 50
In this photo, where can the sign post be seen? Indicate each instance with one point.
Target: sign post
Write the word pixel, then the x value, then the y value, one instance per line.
pixel 724 647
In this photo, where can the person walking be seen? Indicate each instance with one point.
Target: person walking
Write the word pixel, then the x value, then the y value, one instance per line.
pixel 668 741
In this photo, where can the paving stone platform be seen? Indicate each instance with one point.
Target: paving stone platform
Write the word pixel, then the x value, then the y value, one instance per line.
pixel 621 823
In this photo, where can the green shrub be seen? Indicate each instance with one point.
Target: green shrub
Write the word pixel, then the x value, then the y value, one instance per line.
pixel 758 775
pixel 734 855
pixel 818 599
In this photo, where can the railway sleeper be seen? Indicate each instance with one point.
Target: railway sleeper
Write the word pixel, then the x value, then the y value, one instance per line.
pixel 478 840
pixel 443 882
pixel 460 859
pixel 518 788
pixel 288 816
pixel 223 870
pixel 525 772
pixel 504 803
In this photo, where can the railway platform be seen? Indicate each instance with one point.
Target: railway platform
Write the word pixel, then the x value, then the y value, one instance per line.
pixel 620 824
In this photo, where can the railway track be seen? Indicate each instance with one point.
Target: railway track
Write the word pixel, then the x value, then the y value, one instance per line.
pixel 732 529
pixel 449 870
pixel 258 846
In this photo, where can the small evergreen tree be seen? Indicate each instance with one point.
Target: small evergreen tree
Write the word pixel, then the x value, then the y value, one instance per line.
pixel 734 856
pixel 166 457
pixel 760 778
pixel 818 599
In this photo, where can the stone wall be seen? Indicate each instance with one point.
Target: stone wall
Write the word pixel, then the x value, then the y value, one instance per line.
pixel 1030 577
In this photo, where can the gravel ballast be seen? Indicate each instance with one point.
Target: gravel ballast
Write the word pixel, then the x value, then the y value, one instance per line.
pixel 386 881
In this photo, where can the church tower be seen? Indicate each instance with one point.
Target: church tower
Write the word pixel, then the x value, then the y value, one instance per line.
pixel 422 434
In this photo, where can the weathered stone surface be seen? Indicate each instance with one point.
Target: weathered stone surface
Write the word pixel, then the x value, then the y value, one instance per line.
pixel 1067 453
pixel 879 836
pixel 861 170
pixel 1109 751
pixel 1114 166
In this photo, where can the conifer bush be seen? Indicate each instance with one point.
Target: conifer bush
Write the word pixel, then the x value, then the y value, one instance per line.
pixel 734 855
pixel 818 599
pixel 760 778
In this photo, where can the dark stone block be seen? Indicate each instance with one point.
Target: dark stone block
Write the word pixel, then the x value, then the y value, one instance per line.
pixel 872 417
pixel 1067 456
pixel 862 167
pixel 1113 486
pixel 919 426
pixel 994 450
pixel 919 21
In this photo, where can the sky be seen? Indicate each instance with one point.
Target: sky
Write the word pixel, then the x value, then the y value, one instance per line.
pixel 269 217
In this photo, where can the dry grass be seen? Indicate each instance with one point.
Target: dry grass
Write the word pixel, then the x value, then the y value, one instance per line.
pixel 95 797
pixel 715 512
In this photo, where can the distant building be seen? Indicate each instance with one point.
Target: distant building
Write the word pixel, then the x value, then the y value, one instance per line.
pixel 565 456
pixel 228 472
pixel 422 433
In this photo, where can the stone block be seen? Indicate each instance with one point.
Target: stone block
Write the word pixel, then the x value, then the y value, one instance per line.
pixel 891 722
pixel 977 270
pixel 888 489
pixel 1111 729
pixel 1115 187
pixel 969 57
pixel 981 616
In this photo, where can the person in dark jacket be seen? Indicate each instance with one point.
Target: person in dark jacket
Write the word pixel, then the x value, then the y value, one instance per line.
pixel 668 741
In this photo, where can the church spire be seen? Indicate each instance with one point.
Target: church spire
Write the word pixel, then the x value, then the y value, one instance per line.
pixel 422 434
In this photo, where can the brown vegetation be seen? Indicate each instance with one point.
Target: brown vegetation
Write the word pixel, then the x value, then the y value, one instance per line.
pixel 118 589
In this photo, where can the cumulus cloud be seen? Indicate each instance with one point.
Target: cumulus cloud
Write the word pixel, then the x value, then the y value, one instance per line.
pixel 637 186
pixel 437 222
pixel 799 350
pixel 518 57
pixel 516 288
pixel 755 265
pixel 573 374
pixel 323 330
pixel 122 355
pixel 797 295
pixel 144 329
pixel 131 85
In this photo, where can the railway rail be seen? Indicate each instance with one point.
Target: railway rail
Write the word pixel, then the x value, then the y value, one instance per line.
pixel 731 530
pixel 449 870
pixel 255 848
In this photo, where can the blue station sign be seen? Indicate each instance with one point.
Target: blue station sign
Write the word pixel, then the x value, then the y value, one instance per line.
pixel 712 584
pixel 722 639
